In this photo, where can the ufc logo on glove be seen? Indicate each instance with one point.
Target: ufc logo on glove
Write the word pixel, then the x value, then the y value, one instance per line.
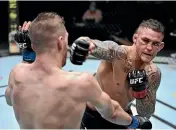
pixel 79 51
pixel 22 45
pixel 137 80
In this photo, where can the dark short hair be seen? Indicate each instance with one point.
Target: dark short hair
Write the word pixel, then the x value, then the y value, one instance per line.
pixel 153 24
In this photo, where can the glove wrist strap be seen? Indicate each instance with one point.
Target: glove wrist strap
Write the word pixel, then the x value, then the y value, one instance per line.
pixel 141 94
pixel 29 56
pixel 134 123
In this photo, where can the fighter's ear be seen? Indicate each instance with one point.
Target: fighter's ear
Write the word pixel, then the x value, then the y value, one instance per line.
pixel 59 42
pixel 60 38
pixel 135 37
pixel 161 46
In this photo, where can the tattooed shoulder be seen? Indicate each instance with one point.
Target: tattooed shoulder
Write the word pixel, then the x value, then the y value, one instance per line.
pixel 154 76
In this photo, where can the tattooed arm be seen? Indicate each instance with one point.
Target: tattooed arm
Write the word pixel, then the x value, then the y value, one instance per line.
pixel 146 106
pixel 108 50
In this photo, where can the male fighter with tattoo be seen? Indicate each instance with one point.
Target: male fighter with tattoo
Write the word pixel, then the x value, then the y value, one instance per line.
pixel 46 97
pixel 125 72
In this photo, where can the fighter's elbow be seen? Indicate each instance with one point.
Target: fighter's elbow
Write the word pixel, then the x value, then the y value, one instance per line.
pixel 8 101
pixel 117 116
pixel 7 96
pixel 116 108
pixel 105 108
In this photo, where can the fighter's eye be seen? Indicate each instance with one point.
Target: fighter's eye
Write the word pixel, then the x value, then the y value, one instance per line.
pixel 145 40
pixel 156 44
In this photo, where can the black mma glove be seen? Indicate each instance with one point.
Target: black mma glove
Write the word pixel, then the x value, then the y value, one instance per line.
pixel 138 80
pixel 139 122
pixel 23 41
pixel 79 51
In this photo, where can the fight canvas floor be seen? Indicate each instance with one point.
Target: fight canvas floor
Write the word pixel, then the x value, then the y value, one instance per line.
pixel 165 113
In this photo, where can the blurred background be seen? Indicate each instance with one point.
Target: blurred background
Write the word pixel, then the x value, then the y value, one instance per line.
pixel 103 20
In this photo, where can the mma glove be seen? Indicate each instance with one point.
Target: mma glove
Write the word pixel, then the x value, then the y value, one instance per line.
pixel 138 80
pixel 139 122
pixel 79 51
pixel 23 41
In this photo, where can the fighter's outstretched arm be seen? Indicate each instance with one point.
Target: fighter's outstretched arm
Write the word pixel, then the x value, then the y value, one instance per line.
pixel 106 50
pixel 146 106
pixel 109 109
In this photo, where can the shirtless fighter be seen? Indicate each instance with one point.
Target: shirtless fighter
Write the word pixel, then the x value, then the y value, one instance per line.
pixel 125 72
pixel 44 96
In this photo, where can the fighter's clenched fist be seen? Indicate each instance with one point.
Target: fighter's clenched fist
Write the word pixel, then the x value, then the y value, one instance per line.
pixel 80 50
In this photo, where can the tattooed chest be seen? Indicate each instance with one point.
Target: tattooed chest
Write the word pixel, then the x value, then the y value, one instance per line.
pixel 149 70
pixel 128 66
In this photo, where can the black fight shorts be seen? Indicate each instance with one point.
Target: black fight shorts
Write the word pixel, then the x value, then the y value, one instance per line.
pixel 93 120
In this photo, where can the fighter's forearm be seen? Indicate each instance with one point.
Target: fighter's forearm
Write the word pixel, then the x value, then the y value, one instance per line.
pixel 146 106
pixel 108 50
pixel 120 117
pixel 115 114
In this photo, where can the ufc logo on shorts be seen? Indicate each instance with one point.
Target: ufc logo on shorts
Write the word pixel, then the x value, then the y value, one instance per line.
pixel 135 81
pixel 22 45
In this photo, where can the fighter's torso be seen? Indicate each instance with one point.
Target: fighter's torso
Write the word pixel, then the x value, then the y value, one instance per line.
pixel 112 77
pixel 39 102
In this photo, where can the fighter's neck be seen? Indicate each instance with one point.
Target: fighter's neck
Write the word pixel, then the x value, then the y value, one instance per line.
pixel 48 60
pixel 135 58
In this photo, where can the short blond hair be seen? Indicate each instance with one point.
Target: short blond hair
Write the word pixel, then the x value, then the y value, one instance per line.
pixel 45 28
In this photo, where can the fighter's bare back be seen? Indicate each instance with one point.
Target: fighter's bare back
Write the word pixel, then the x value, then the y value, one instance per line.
pixel 52 100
